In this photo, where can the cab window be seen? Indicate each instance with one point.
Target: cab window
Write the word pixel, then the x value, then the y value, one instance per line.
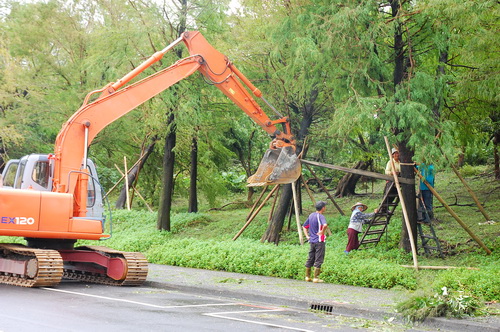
pixel 41 173
pixel 90 190
pixel 10 175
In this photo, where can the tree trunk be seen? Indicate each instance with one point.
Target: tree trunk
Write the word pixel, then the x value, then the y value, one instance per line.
pixel 165 205
pixel 132 175
pixel 193 196
pixel 273 231
pixel 401 65
pixel 347 185
pixel 409 196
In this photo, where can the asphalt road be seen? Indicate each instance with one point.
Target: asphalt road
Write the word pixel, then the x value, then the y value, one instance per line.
pixel 84 307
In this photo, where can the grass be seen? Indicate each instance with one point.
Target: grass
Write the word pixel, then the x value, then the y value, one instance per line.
pixel 204 240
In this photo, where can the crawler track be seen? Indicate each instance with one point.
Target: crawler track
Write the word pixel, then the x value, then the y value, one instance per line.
pixel 137 268
pixel 45 266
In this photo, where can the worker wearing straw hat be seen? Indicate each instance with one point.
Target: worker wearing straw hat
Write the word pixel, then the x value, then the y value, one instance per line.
pixel 358 218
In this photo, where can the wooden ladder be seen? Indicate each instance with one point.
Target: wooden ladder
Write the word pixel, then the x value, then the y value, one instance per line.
pixel 380 220
pixel 425 219
pixel 425 238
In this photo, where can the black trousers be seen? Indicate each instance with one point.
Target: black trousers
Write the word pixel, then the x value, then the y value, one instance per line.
pixel 316 255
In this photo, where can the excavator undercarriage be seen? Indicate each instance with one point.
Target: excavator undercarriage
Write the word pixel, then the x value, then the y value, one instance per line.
pixel 32 267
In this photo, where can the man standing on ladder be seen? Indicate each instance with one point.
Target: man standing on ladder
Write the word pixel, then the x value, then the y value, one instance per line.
pixel 388 171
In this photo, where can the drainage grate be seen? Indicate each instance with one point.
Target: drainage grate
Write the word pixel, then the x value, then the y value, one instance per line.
pixel 328 308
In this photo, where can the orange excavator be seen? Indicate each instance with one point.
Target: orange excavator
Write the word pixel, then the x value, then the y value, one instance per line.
pixel 54 200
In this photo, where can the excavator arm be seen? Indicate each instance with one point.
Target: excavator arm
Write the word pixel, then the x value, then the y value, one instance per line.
pixel 279 165
pixel 52 222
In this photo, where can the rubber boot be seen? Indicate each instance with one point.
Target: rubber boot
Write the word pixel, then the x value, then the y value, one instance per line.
pixel 308 274
pixel 317 271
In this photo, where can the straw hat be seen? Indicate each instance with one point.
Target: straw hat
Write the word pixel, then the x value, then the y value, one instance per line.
pixel 394 150
pixel 359 204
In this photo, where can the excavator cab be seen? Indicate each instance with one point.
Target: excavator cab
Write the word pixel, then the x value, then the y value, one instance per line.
pixel 278 166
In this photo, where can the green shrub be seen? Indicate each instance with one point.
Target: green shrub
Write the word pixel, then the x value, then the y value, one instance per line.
pixel 445 304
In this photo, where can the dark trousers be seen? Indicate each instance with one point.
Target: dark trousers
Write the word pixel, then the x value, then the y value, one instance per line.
pixel 352 239
pixel 427 197
pixel 316 255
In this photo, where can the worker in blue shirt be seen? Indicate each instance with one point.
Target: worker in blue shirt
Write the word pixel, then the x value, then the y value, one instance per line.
pixel 428 173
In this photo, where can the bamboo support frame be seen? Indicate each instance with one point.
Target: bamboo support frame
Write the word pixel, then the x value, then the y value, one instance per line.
pixel 308 190
pixel 403 207
pixel 123 176
pixel 256 212
pixel 453 214
pixel 257 202
pixel 471 193
pixel 325 190
pixel 136 191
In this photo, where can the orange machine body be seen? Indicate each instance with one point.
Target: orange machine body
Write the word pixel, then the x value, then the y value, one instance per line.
pixel 43 214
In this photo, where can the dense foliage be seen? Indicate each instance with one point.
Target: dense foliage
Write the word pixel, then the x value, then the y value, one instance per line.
pixel 329 65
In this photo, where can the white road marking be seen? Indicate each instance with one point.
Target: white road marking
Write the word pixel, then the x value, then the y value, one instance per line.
pixel 223 316
pixel 140 303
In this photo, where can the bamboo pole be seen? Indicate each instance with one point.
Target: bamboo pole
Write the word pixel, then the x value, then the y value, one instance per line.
pixel 325 190
pixel 257 201
pixel 297 217
pixel 136 191
pixel 453 214
pixel 118 182
pixel 126 181
pixel 272 206
pixel 308 190
pixel 471 193
pixel 442 267
pixel 403 206
pixel 256 212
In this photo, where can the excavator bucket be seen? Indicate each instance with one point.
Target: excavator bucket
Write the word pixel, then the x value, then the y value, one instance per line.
pixel 279 166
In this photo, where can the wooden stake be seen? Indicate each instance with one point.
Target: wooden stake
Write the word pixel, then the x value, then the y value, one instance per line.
pixel 453 214
pixel 126 181
pixel 297 217
pixel 325 190
pixel 256 212
pixel 403 206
